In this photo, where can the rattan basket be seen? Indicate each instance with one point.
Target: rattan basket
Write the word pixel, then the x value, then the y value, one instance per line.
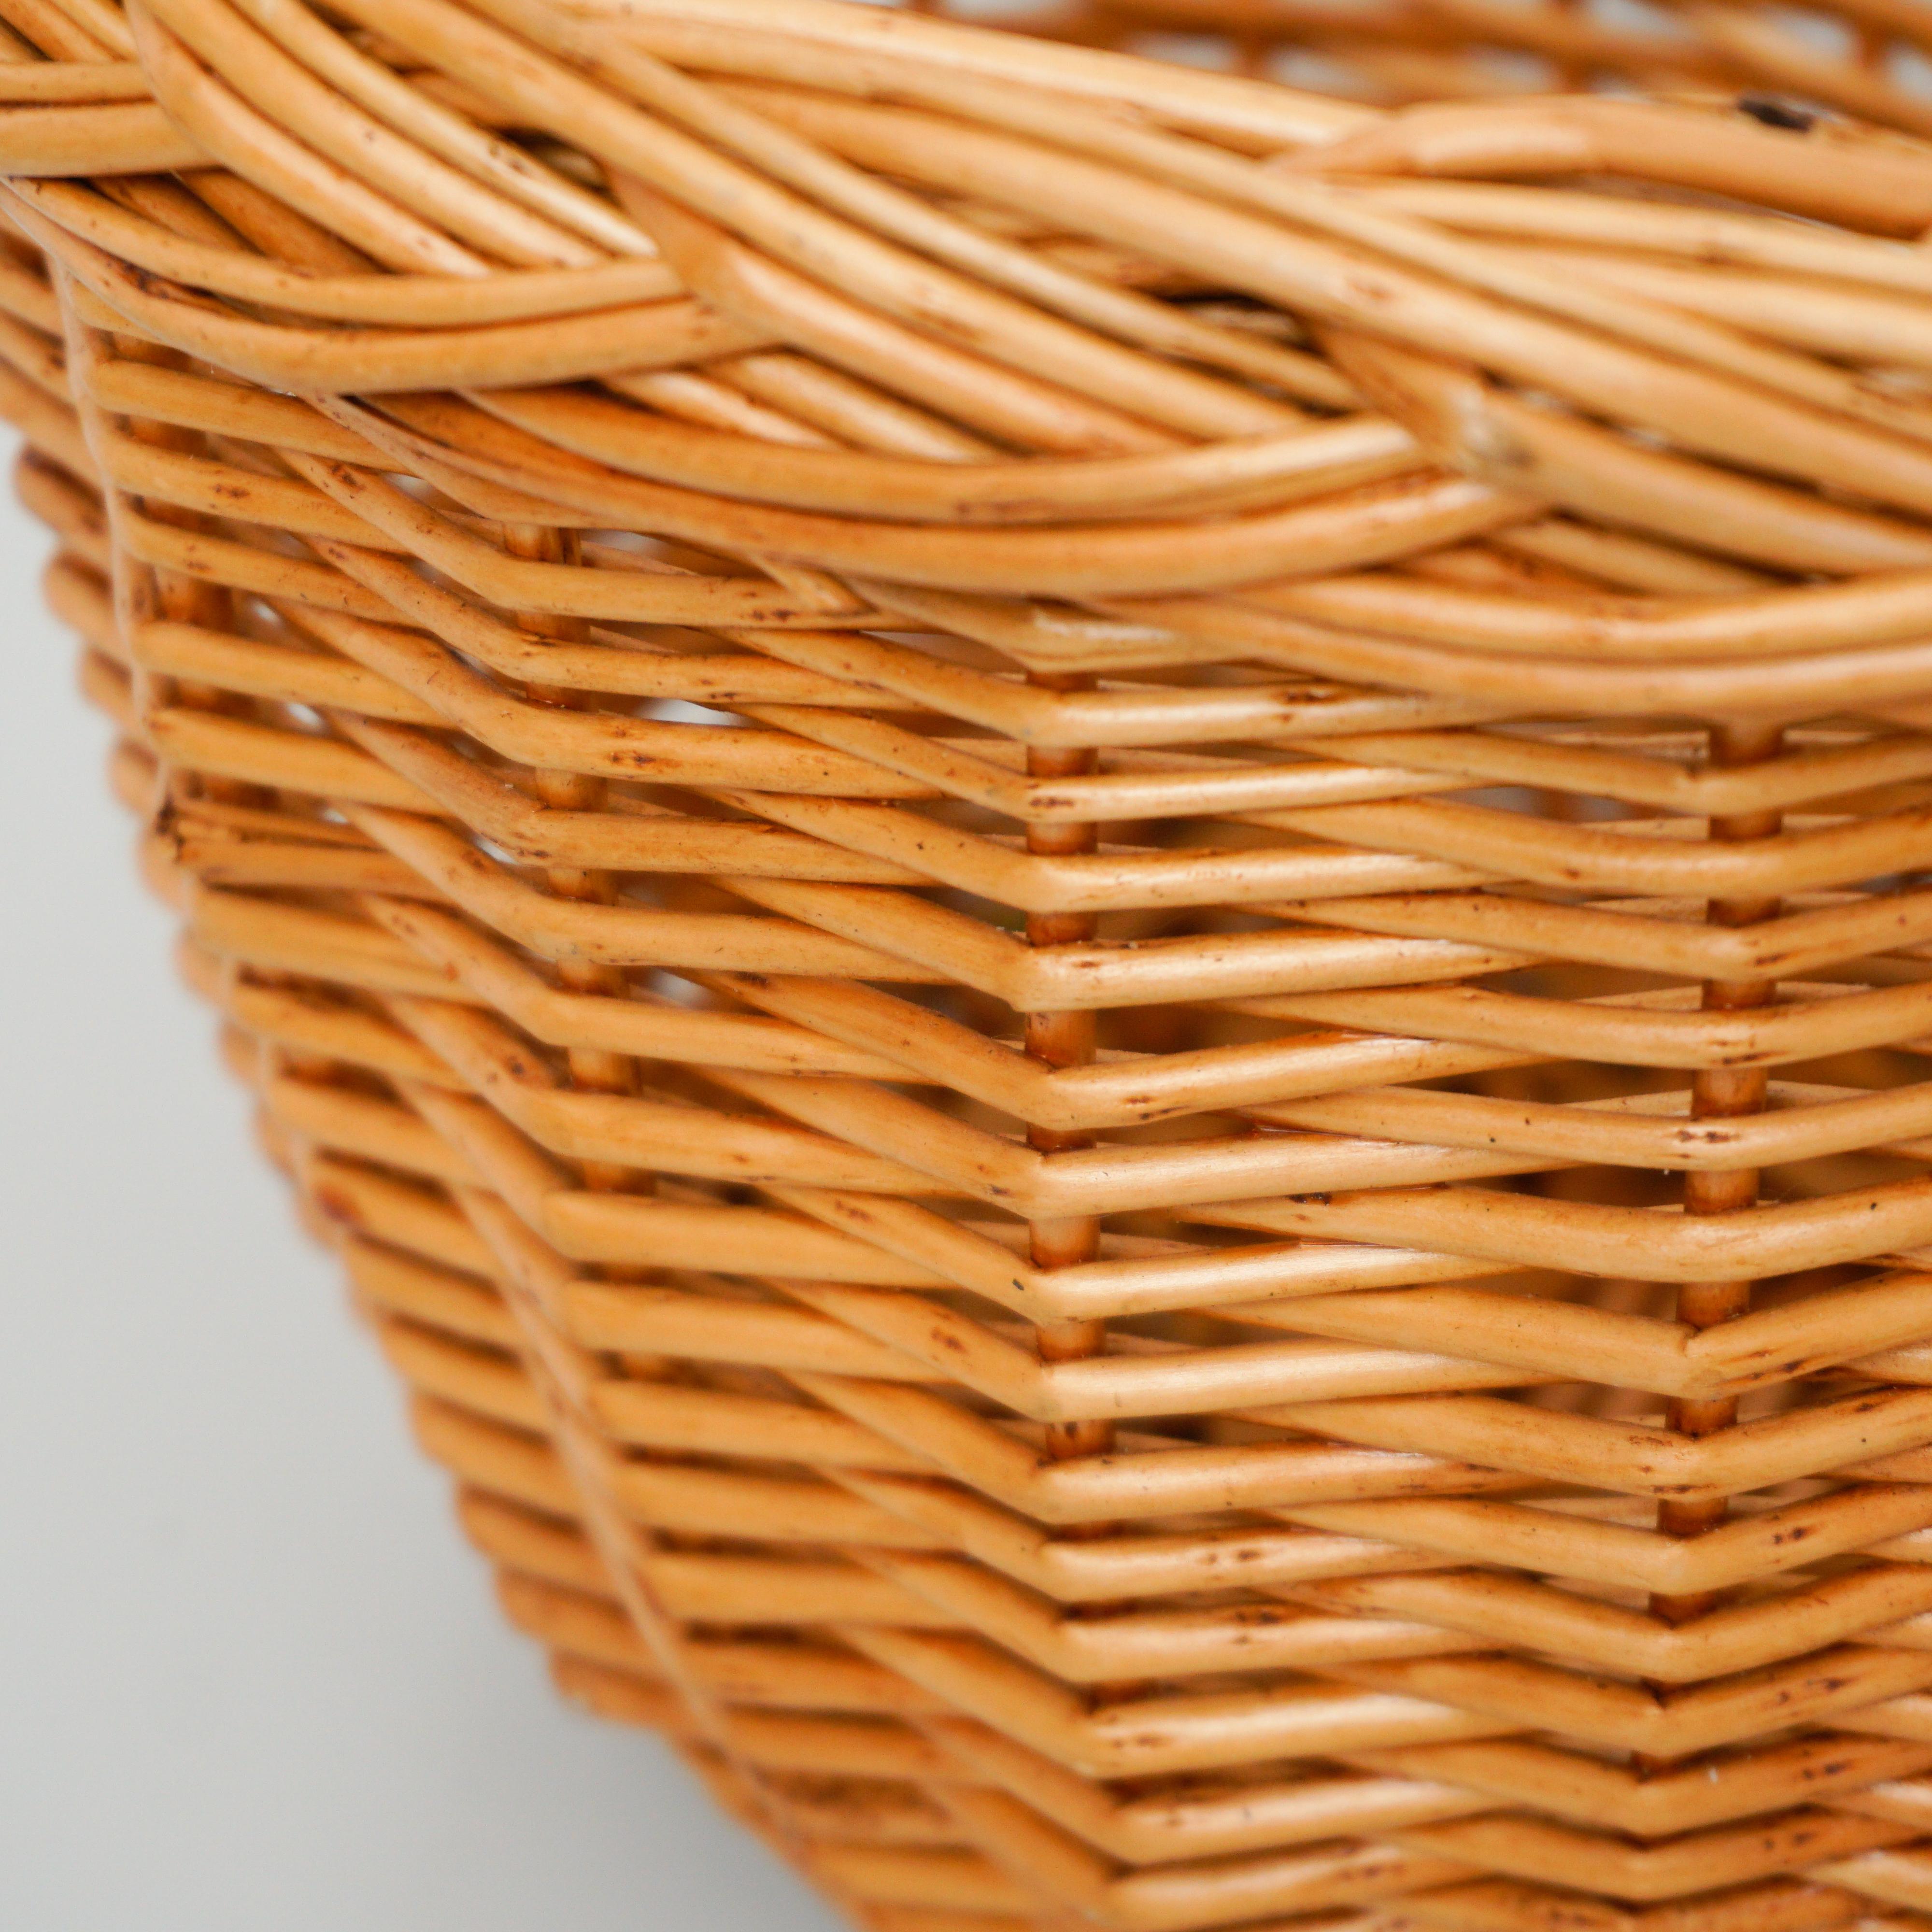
pixel 1096 900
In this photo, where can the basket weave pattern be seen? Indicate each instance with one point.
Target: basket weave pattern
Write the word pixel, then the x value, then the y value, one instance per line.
pixel 1094 899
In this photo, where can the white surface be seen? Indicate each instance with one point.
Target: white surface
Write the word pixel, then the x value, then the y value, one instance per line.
pixel 249 1676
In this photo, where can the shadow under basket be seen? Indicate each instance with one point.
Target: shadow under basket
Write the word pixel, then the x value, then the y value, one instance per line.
pixel 1095 898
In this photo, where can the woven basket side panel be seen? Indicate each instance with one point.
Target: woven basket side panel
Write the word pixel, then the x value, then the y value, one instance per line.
pixel 377 1184
pixel 1100 941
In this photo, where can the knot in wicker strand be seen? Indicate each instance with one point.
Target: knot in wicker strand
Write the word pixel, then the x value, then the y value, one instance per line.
pixel 1092 893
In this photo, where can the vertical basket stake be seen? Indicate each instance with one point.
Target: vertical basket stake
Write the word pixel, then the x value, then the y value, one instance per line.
pixel 1063 1040
pixel 592 1070
pixel 1720 1093
pixel 177 596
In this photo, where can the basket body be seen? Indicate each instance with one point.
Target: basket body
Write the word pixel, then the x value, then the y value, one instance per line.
pixel 1092 899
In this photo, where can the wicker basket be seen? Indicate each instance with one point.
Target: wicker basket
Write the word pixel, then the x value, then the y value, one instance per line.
pixel 1227 1225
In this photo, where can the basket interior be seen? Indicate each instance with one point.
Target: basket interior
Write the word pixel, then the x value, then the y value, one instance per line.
pixel 1861 59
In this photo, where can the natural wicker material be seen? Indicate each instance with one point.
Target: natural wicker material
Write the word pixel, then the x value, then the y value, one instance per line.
pixel 1063 1253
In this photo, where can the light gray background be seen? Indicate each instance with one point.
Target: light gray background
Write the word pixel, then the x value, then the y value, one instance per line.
pixel 251 1678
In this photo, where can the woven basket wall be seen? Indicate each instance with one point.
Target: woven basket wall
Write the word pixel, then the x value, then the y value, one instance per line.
pixel 1096 901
